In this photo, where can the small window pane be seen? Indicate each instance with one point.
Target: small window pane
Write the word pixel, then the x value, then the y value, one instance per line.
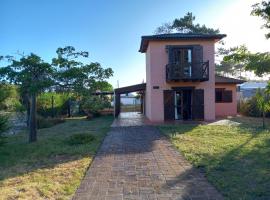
pixel 218 95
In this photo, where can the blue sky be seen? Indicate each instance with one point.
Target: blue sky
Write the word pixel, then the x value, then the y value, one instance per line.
pixel 111 30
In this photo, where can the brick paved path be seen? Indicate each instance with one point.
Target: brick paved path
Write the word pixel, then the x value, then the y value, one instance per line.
pixel 138 163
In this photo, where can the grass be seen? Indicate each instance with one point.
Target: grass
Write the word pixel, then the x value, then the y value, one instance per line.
pixel 131 108
pixel 235 159
pixel 51 168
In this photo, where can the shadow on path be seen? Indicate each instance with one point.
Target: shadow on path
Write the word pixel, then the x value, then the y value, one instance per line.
pixel 139 163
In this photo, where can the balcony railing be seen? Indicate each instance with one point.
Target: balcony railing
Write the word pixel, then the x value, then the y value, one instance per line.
pixel 188 72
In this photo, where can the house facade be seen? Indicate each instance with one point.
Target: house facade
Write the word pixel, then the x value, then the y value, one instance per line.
pixel 180 78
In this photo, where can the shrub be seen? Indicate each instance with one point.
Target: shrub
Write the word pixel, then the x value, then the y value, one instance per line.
pixel 9 97
pixel 48 122
pixel 250 108
pixel 80 138
pixel 92 105
pixel 44 104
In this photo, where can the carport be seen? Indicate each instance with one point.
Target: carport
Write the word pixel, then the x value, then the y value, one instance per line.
pixel 140 88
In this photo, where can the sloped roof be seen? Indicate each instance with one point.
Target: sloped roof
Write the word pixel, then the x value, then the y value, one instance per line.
pixel 222 79
pixel 177 36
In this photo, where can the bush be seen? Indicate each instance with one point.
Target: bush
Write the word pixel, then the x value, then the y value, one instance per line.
pixel 250 108
pixel 92 105
pixel 44 104
pixel 80 138
pixel 48 122
pixel 9 97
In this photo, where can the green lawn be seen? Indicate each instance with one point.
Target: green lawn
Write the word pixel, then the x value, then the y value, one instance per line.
pixel 235 159
pixel 51 168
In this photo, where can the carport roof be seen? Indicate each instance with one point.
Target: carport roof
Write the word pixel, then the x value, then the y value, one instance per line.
pixel 132 88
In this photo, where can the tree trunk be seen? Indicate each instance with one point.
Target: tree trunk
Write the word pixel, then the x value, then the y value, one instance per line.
pixel 69 108
pixel 264 120
pixel 33 120
pixel 28 112
pixel 52 107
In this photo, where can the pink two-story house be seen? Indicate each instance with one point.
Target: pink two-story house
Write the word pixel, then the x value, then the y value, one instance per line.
pixel 180 79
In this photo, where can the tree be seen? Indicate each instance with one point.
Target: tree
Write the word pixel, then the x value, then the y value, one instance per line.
pixel 263 10
pixel 259 63
pixel 33 75
pixel 185 25
pixel 263 102
pixel 225 68
pixel 234 60
pixel 239 59
pixel 76 77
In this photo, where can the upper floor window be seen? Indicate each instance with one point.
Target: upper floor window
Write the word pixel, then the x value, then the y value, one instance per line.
pixel 182 56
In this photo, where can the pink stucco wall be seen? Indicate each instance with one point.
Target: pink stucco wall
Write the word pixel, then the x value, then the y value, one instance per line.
pixel 156 60
pixel 148 98
pixel 227 109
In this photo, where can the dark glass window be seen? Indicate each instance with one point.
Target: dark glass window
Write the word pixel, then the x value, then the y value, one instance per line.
pixel 223 96
pixel 218 96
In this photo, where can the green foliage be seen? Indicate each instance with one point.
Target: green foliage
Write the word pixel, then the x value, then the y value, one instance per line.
pixel 44 103
pixel 48 122
pixel 259 63
pixel 185 25
pixel 234 61
pixel 250 108
pixel 75 76
pixel 33 75
pixel 30 72
pixel 9 98
pixel 263 10
pixel 94 104
pixel 258 105
pixel 80 138
pixel 239 59
pixel 102 86
pixel 263 100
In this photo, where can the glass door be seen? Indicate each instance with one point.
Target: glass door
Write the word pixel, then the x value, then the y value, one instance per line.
pixel 182 104
pixel 182 58
pixel 178 105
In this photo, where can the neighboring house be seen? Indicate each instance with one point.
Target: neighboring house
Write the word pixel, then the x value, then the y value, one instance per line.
pixel 180 79
pixel 248 89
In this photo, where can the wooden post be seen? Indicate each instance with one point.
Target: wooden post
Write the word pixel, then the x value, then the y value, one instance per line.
pixel 117 105
pixel 141 102
pixel 69 107
pixel 33 120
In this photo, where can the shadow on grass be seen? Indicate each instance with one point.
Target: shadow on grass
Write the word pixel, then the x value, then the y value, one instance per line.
pixel 52 148
pixel 243 172
pixel 239 170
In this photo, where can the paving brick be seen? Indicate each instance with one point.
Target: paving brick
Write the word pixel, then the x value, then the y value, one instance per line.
pixel 139 163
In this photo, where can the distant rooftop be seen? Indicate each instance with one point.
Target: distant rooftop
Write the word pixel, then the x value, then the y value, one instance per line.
pixel 177 36
pixel 253 85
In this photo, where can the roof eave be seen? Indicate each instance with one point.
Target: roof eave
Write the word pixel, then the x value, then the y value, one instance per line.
pixel 145 39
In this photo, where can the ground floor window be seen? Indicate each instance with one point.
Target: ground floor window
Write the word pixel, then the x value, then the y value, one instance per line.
pixel 223 95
